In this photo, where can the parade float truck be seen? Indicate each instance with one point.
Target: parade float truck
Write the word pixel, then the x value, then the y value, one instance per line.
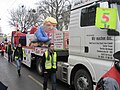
pixel 93 39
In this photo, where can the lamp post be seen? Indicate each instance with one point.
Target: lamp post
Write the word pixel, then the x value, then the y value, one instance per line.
pixel 22 17
pixel 33 12
pixel 66 14
pixel 31 20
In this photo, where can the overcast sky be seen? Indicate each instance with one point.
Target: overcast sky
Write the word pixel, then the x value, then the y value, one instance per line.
pixel 7 5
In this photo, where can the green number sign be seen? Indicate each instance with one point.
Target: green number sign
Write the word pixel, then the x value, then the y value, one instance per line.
pixel 106 18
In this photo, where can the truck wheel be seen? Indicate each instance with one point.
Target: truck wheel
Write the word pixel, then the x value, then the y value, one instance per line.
pixel 82 80
pixel 39 67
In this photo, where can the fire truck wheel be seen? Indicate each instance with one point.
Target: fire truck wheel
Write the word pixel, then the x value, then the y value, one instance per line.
pixel 82 80
pixel 39 67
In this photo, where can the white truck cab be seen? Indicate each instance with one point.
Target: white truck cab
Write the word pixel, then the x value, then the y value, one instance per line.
pixel 91 49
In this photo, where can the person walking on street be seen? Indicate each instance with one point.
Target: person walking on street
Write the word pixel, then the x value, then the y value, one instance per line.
pixel 49 66
pixel 10 52
pixel 18 55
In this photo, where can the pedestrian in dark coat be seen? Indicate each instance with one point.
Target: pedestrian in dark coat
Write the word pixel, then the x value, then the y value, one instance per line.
pixel 18 55
pixel 10 52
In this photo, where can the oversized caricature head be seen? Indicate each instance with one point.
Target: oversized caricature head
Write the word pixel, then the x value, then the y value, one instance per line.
pixel 49 24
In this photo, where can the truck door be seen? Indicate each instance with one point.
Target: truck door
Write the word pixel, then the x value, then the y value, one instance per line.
pixel 97 43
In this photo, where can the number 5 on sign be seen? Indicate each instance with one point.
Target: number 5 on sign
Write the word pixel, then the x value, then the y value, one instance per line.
pixel 106 18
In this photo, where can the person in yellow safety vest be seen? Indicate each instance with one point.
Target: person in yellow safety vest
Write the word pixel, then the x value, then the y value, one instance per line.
pixel 18 55
pixel 49 65
pixel 10 52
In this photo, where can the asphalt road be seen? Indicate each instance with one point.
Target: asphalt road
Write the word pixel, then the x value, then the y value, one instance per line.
pixel 29 79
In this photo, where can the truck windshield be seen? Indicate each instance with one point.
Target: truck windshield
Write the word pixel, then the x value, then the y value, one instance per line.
pixel 118 6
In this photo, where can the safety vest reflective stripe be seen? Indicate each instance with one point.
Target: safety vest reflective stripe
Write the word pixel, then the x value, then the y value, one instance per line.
pixel 24 55
pixel 16 57
pixel 48 63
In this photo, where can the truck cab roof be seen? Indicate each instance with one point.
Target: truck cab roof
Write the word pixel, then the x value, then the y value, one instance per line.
pixel 80 3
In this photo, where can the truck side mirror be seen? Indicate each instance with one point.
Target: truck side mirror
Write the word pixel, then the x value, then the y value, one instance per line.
pixel 111 32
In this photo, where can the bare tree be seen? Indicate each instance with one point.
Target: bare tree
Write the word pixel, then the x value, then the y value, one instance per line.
pixel 32 17
pixel 18 17
pixel 23 17
pixel 56 9
pixel 59 9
